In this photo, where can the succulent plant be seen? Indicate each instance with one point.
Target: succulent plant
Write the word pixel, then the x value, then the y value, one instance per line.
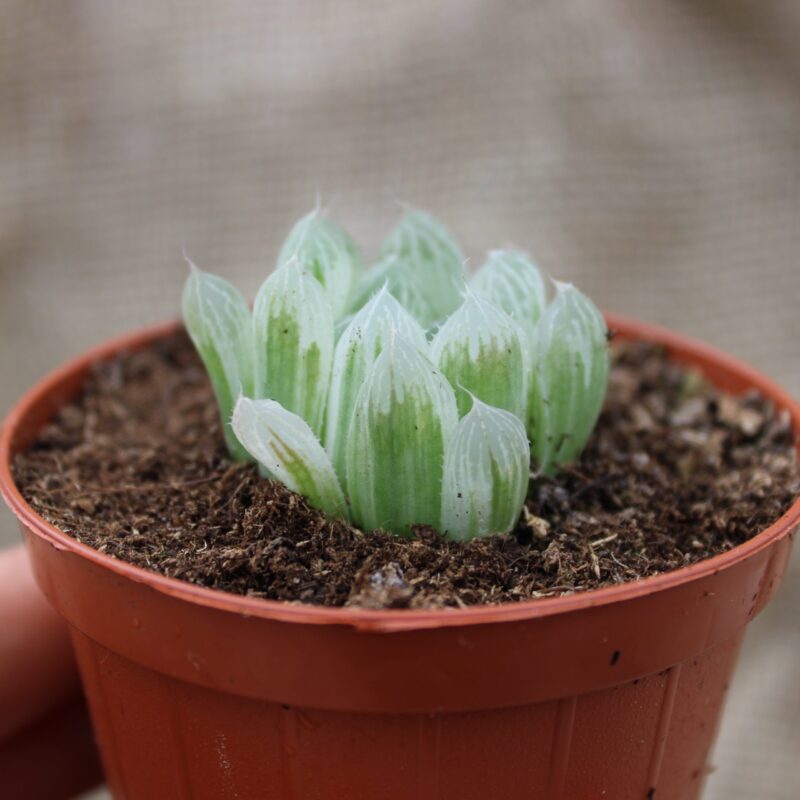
pixel 400 395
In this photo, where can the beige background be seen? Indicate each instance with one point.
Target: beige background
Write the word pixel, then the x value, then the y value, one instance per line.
pixel 649 151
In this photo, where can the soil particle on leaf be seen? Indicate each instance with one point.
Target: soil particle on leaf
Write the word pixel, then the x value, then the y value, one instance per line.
pixel 675 472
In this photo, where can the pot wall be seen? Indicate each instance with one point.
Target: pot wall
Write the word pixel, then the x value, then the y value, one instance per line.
pixel 162 737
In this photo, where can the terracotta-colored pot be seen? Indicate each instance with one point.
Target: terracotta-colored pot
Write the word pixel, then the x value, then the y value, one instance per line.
pixel 199 694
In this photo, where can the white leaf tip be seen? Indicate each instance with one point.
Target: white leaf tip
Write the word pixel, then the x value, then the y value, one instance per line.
pixel 193 268
pixel 562 286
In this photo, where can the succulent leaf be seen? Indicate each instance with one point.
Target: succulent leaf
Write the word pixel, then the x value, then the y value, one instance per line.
pixel 483 351
pixel 486 471
pixel 356 351
pixel 326 251
pixel 403 419
pixel 510 280
pixel 287 448
pixel 422 266
pixel 569 378
pixel 217 319
pixel 293 337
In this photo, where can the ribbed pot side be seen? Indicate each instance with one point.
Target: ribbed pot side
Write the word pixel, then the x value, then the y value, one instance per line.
pixel 199 694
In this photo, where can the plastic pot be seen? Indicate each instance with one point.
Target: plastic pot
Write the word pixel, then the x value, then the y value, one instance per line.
pixel 200 694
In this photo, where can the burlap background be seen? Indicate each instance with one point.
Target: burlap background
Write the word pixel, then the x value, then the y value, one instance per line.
pixel 649 151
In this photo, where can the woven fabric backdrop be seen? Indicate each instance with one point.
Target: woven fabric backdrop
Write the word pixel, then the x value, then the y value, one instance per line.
pixel 647 151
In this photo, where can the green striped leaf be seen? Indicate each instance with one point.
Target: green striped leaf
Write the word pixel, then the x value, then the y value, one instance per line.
pixel 217 319
pixel 286 447
pixel 404 417
pixel 569 378
pixel 510 280
pixel 422 265
pixel 356 351
pixel 293 335
pixel 486 471
pixel 482 351
pixel 328 253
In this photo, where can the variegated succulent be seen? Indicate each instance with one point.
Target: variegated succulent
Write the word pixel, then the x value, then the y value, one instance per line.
pixel 402 394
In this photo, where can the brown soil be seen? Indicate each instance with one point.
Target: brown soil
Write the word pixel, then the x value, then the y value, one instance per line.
pixel 674 473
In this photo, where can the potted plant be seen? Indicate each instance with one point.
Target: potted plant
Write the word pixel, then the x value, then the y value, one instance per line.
pixel 396 399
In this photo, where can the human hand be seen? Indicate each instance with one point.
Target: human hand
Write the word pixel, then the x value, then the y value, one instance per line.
pixel 46 747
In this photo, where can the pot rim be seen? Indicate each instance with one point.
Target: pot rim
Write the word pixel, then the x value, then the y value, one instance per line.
pixel 684 348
